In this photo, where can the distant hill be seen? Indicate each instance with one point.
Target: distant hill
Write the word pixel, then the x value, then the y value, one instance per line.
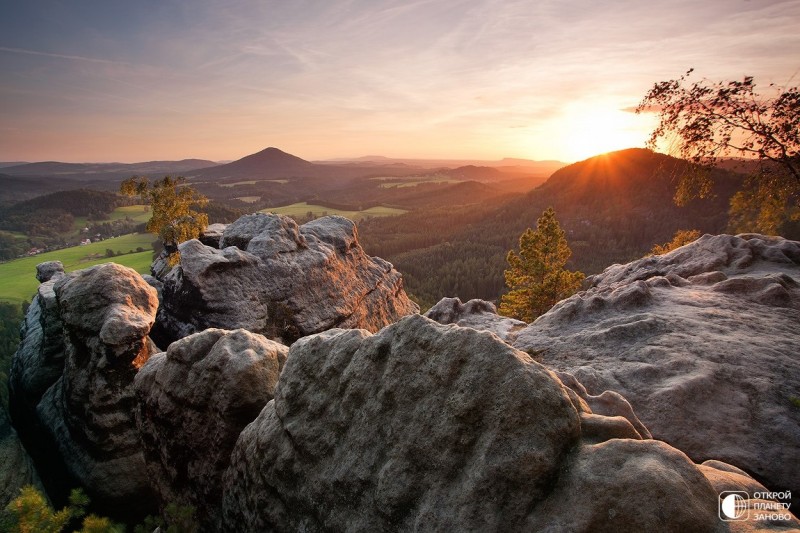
pixel 270 163
pixel 15 189
pixel 273 163
pixel 506 165
pixel 80 202
pixel 94 171
pixel 613 207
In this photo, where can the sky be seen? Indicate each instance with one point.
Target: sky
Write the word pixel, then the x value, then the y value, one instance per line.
pixel 127 81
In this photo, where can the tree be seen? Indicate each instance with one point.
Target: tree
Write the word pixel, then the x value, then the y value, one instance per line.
pixel 681 237
pixel 173 218
pixel 706 122
pixel 29 512
pixel 536 276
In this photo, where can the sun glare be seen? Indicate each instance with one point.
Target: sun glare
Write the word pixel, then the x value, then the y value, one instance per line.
pixel 586 132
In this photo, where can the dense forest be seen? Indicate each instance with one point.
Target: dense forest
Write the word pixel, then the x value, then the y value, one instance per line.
pixel 613 207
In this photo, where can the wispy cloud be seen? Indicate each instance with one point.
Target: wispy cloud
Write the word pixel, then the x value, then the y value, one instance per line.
pixel 59 56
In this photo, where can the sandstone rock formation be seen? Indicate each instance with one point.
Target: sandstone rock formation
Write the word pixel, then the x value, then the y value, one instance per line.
pixel 704 342
pixel 478 314
pixel 39 359
pixel 281 280
pixel 427 427
pixel 192 403
pixel 106 311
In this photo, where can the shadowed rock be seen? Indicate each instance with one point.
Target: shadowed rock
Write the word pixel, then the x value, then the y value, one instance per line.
pixel 106 311
pixel 16 467
pixel 703 342
pixel 281 280
pixel 39 359
pixel 192 403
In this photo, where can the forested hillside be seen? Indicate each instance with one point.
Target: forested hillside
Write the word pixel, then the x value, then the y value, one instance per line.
pixel 614 207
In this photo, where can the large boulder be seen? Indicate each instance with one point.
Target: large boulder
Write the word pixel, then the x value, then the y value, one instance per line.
pixel 281 280
pixel 425 427
pixel 704 342
pixel 106 312
pixel 193 402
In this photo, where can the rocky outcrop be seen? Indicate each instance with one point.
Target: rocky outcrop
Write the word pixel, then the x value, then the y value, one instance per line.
pixel 193 402
pixel 428 427
pixel 106 312
pixel 478 314
pixel 39 359
pixel 281 280
pixel 703 342
pixel 48 270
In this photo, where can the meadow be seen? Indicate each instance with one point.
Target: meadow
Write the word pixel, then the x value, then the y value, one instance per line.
pixel 303 208
pixel 401 183
pixel 134 212
pixel 19 276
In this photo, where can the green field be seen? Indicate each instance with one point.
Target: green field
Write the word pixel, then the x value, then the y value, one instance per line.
pixel 135 212
pixel 302 208
pixel 389 182
pixel 19 276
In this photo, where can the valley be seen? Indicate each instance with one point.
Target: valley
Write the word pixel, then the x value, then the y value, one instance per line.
pixel 446 229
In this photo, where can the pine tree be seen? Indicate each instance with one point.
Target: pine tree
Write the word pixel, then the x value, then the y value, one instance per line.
pixel 536 276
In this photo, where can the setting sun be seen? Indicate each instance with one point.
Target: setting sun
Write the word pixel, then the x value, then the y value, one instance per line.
pixel 586 131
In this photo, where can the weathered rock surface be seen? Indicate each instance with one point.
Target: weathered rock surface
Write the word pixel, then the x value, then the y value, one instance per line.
pixel 428 427
pixel 478 314
pixel 16 467
pixel 704 342
pixel 193 402
pixel 106 311
pixel 281 280
pixel 39 359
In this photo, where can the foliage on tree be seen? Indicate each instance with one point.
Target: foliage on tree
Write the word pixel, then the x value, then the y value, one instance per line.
pixel 707 121
pixel 172 203
pixel 536 276
pixel 681 237
pixel 30 513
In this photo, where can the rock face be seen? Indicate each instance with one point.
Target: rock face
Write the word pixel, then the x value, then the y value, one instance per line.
pixel 478 314
pixel 428 427
pixel 704 342
pixel 281 280
pixel 192 403
pixel 39 360
pixel 106 311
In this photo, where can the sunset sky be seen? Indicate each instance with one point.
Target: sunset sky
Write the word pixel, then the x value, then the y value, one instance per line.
pixel 127 81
